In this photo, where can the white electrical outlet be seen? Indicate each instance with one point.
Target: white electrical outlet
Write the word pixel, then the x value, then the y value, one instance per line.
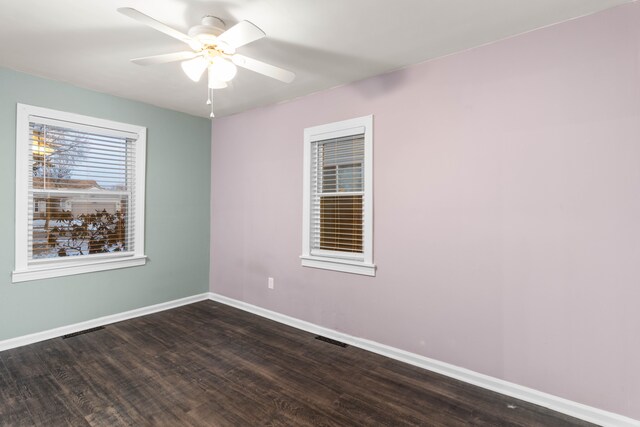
pixel 271 283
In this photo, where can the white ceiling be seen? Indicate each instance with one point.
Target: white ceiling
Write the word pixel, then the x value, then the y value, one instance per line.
pixel 325 42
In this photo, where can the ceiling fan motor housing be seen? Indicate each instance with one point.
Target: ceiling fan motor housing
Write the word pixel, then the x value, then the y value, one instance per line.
pixel 208 31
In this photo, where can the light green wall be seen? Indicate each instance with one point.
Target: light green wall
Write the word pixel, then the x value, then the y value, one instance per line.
pixel 177 213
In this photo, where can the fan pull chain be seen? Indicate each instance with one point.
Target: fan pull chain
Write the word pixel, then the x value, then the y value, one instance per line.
pixel 210 102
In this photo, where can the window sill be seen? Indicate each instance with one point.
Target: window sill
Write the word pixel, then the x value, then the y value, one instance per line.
pixel 89 266
pixel 346 266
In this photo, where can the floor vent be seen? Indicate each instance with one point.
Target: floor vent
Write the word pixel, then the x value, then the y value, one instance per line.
pixel 86 331
pixel 330 341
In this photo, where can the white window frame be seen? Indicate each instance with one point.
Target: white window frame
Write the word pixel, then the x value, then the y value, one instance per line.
pixel 72 265
pixel 336 260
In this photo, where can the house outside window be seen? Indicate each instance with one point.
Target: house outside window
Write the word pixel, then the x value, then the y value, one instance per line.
pixel 79 194
pixel 337 197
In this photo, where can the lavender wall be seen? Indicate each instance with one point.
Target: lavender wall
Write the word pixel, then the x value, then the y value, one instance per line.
pixel 507 210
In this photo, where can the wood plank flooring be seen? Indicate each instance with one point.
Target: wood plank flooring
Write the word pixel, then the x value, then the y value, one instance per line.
pixel 207 364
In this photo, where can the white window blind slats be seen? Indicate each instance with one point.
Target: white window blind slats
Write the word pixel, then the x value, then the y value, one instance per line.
pixel 65 138
pixel 81 189
pixel 76 127
pixel 337 194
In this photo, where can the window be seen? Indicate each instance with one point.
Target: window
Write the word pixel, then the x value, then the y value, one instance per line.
pixel 338 205
pixel 79 194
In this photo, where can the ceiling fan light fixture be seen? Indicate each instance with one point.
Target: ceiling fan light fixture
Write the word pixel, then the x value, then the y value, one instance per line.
pixel 222 69
pixel 213 49
pixel 194 68
pixel 217 84
pixel 214 82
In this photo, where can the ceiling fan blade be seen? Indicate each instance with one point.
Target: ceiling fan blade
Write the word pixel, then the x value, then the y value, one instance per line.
pixel 263 68
pixel 242 33
pixel 156 25
pixel 167 57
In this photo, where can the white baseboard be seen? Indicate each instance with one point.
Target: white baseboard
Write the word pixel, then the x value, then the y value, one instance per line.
pixel 565 406
pixel 574 409
pixel 100 321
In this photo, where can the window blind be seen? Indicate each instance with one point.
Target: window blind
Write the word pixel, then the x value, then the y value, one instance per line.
pixel 337 195
pixel 81 190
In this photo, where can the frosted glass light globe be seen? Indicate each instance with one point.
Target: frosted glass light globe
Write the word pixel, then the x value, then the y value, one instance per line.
pixel 194 68
pixel 222 69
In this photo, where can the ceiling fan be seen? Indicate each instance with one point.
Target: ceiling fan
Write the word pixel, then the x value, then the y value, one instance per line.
pixel 212 49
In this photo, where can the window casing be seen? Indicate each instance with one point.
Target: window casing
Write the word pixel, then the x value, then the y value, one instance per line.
pixel 337 197
pixel 79 194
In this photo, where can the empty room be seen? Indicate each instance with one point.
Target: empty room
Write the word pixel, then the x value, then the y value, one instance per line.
pixel 320 213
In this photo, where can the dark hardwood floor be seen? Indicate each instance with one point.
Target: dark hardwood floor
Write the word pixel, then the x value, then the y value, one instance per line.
pixel 207 364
